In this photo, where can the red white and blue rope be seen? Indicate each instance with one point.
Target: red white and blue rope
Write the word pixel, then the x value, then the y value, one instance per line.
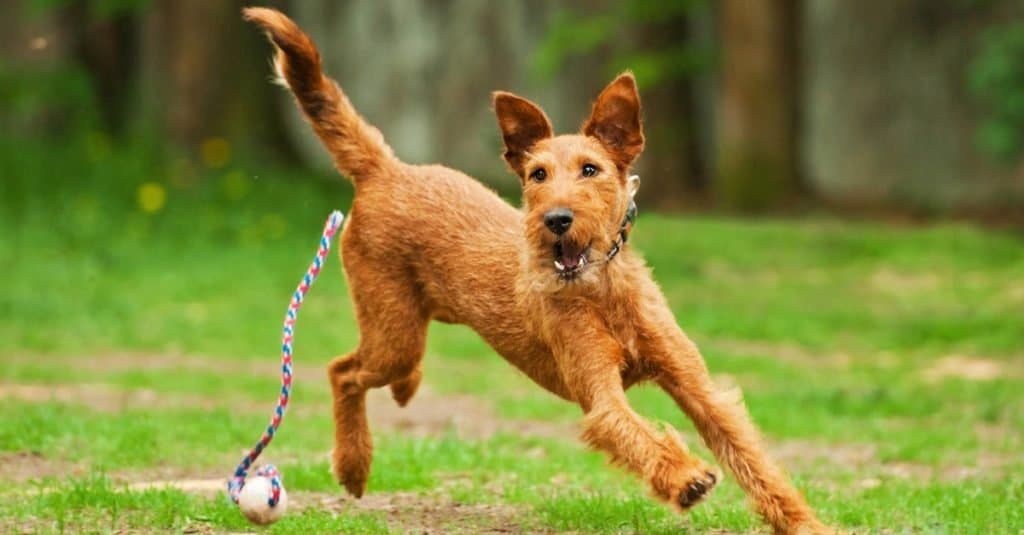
pixel 237 481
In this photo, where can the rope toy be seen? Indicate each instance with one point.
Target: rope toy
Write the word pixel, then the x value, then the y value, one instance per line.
pixel 262 498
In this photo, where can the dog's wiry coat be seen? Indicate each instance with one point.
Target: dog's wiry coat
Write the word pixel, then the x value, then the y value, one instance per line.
pixel 429 243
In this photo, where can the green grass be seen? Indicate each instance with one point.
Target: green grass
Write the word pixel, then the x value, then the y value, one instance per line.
pixel 153 338
pixel 95 504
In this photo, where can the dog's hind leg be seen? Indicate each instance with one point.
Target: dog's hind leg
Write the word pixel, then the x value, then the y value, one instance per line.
pixel 723 423
pixel 393 328
pixel 353 445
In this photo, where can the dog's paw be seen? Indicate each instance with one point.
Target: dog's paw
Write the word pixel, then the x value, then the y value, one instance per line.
pixel 697 488
pixel 351 471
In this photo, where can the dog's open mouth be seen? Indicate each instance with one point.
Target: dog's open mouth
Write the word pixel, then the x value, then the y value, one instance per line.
pixel 570 259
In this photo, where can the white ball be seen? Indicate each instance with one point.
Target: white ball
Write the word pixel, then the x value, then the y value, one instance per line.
pixel 253 501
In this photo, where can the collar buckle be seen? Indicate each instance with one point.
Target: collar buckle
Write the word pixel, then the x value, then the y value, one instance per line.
pixel 627 226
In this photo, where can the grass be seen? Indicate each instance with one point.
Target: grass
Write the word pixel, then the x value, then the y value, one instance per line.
pixel 883 364
pixel 96 504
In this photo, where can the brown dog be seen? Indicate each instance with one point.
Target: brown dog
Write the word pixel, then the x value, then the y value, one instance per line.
pixel 553 288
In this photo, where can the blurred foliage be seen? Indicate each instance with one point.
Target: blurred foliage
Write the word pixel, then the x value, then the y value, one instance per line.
pixel 97 9
pixel 996 79
pixel 620 29
pixel 57 97
pixel 47 100
pixel 110 196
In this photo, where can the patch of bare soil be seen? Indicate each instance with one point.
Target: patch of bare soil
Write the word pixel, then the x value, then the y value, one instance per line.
pixel 428 414
pixel 100 397
pixel 862 459
pixel 422 513
pixel 210 486
pixel 120 362
pixel 899 283
pixel 806 453
pixel 23 466
pixel 432 414
pixel 963 367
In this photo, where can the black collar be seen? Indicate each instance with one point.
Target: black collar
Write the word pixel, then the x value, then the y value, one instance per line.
pixel 627 225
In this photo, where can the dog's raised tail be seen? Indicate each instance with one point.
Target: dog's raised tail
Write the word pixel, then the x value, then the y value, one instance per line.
pixel 358 148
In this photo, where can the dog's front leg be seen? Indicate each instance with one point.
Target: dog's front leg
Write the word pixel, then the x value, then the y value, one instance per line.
pixel 591 367
pixel 723 423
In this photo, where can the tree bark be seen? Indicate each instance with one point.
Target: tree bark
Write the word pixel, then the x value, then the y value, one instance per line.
pixel 672 168
pixel 757 159
pixel 105 47
pixel 206 74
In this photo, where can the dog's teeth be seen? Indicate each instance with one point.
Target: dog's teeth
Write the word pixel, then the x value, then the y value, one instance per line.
pixel 559 265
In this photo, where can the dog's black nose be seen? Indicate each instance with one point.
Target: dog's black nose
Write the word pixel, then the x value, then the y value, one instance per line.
pixel 558 220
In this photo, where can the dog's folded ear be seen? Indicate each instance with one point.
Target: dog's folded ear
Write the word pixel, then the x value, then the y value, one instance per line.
pixel 615 120
pixel 522 125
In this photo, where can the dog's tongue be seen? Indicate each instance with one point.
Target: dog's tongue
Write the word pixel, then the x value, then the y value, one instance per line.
pixel 570 257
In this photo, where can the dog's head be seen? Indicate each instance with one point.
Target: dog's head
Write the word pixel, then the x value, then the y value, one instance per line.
pixel 576 188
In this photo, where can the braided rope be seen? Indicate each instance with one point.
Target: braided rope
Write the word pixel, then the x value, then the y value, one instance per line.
pixel 237 481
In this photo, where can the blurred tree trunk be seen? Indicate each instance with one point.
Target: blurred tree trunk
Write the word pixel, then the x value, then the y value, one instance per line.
pixel 205 74
pixel 105 47
pixel 757 163
pixel 32 43
pixel 672 169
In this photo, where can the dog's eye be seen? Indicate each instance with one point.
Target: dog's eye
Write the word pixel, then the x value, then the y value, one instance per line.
pixel 589 170
pixel 539 175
